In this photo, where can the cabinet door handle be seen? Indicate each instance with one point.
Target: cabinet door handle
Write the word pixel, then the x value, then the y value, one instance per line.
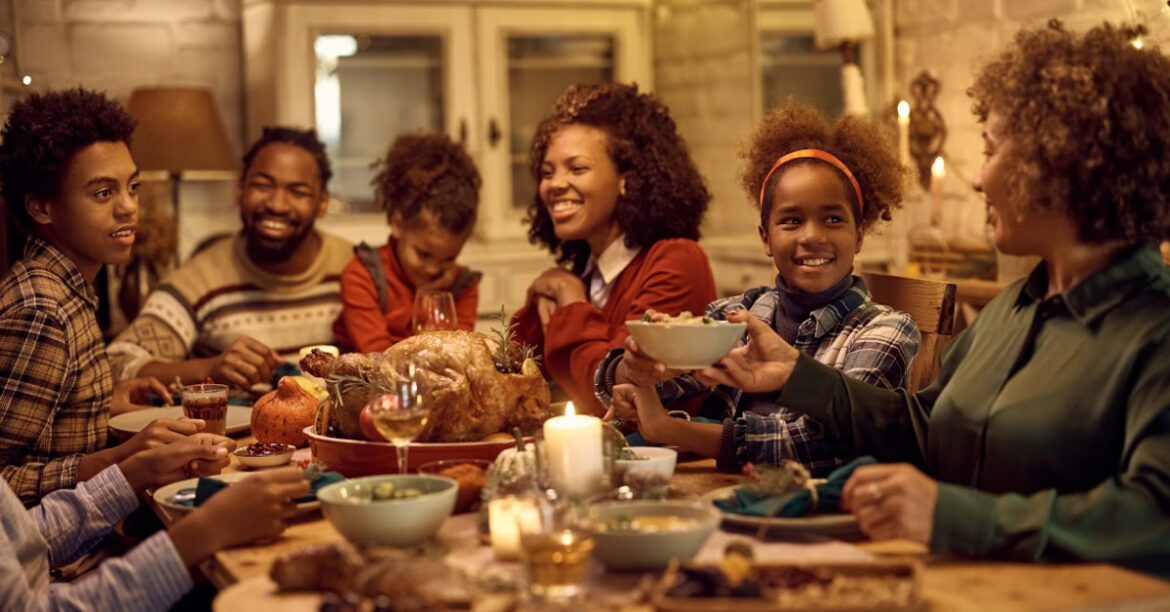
pixel 493 132
pixel 463 132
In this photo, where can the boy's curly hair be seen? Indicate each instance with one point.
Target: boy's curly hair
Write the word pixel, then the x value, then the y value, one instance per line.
pixel 665 196
pixel 305 139
pixel 1089 117
pixel 41 137
pixel 429 172
pixel 862 146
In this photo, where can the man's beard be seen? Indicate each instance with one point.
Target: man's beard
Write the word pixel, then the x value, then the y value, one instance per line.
pixel 262 249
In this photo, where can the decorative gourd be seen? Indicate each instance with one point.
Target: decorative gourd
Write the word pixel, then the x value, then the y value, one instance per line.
pixel 282 415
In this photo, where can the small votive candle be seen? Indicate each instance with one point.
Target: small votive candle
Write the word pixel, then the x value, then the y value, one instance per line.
pixel 508 516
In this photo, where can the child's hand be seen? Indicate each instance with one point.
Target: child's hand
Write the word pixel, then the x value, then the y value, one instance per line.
pixel 444 281
pixel 170 462
pixel 641 405
pixel 641 369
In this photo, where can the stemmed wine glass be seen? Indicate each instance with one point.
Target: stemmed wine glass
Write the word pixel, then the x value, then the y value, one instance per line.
pixel 400 417
pixel 433 311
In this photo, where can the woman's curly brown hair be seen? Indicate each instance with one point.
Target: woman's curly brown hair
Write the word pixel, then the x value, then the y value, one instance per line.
pixel 862 146
pixel 1089 117
pixel 429 172
pixel 665 196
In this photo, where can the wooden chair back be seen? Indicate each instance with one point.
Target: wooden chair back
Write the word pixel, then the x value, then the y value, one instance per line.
pixel 932 304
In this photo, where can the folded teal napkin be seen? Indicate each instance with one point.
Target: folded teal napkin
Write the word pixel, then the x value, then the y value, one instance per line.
pixel 210 486
pixel 795 503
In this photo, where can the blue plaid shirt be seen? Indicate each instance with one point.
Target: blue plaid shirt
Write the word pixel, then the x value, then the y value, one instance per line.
pixel 865 340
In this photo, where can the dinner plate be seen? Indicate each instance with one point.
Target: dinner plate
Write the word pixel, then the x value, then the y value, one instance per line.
pixel 837 524
pixel 164 496
pixel 239 419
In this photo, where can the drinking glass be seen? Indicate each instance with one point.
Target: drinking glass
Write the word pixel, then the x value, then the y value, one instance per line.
pixel 209 402
pixel 433 311
pixel 400 418
pixel 556 553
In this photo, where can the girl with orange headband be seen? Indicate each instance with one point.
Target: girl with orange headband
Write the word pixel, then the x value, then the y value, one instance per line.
pixel 819 189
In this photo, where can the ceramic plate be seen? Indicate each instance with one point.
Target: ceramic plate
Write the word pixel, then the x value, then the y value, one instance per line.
pixel 165 496
pixel 239 419
pixel 823 524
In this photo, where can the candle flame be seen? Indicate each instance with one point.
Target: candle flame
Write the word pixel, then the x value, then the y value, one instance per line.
pixel 938 168
pixel 1138 43
pixel 569 411
pixel 903 110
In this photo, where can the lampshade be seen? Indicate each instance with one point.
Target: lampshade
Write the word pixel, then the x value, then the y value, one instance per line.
pixel 179 129
pixel 841 20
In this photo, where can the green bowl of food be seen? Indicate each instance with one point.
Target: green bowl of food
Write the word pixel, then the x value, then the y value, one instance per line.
pixel 393 510
pixel 686 342
pixel 641 535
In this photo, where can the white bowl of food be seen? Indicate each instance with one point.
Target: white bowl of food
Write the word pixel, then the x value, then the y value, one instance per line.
pixel 646 459
pixel 686 342
pixel 264 454
pixel 648 534
pixel 394 510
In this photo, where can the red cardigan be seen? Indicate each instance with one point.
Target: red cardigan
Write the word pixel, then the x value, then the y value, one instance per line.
pixel 363 326
pixel 671 276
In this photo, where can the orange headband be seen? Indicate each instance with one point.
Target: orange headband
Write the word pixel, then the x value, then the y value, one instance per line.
pixel 824 156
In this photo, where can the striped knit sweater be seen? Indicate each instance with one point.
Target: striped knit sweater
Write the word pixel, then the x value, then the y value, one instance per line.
pixel 220 295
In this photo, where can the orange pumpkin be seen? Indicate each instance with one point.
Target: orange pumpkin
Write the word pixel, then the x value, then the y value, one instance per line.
pixel 282 415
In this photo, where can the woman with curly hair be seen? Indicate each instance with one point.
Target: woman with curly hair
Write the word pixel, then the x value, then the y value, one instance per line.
pixel 429 188
pixel 819 189
pixel 619 203
pixel 1045 436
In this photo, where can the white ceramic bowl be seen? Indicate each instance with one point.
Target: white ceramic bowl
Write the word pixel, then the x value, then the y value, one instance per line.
pixel 655 459
pixel 686 347
pixel 391 522
pixel 627 550
pixel 265 461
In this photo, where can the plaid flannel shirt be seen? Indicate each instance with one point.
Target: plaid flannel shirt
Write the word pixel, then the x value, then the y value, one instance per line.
pixel 865 340
pixel 55 385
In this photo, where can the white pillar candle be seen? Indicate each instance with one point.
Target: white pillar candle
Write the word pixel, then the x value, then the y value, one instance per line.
pixel 904 132
pixel 574 453
pixel 938 172
pixel 508 517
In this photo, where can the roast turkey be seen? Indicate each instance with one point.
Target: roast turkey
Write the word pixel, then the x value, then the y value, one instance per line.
pixel 456 376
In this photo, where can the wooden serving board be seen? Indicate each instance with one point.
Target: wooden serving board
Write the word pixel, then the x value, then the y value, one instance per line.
pixel 259 593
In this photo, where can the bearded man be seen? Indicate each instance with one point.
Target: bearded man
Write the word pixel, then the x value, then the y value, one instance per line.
pixel 247 303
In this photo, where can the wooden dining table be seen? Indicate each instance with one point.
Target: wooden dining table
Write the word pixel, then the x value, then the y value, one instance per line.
pixel 947 583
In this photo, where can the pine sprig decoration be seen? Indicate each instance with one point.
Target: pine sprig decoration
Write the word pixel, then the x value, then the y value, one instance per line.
pixel 509 355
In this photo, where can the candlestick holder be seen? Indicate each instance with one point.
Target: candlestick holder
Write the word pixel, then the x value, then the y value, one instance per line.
pixel 928 130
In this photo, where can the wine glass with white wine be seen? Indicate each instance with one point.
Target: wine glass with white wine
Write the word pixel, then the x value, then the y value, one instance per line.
pixel 400 417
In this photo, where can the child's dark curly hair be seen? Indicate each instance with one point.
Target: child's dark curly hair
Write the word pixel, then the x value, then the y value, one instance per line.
pixel 43 134
pixel 665 196
pixel 1089 117
pixel 429 172
pixel 305 139
pixel 862 146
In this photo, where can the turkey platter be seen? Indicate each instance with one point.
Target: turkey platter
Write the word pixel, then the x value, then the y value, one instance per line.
pixel 472 387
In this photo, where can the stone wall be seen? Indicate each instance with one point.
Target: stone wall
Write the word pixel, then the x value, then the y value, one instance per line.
pixel 119 45
pixel 952 38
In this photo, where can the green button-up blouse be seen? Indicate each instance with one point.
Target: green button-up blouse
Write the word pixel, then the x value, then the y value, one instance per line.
pixel 1048 427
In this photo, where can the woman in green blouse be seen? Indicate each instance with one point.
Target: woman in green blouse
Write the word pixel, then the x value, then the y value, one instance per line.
pixel 1047 433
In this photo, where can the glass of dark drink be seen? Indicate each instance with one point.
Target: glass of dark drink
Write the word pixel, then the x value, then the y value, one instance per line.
pixel 208 402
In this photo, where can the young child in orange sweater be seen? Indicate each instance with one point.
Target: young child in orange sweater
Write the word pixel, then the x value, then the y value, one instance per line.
pixel 429 188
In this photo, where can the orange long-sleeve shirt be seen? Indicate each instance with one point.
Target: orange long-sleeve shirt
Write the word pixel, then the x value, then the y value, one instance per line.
pixel 363 326
pixel 671 276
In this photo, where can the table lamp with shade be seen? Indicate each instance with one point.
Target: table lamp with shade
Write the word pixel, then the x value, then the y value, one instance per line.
pixel 842 24
pixel 180 137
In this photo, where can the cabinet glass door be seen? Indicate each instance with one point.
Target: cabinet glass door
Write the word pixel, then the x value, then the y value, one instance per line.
pixel 530 56
pixel 369 89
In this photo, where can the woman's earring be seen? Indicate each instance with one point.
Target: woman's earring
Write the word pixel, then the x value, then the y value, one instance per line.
pixel 622 189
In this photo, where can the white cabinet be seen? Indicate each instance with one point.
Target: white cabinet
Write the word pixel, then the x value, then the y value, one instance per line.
pixel 363 71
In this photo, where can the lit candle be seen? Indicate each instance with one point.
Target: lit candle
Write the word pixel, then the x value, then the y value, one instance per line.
pixel 938 172
pixel 508 517
pixel 574 453
pixel 904 132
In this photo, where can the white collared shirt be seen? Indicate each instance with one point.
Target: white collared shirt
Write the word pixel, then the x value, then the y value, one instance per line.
pixel 601 272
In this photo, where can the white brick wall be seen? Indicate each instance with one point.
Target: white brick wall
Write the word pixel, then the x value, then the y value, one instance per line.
pixel 952 38
pixel 119 45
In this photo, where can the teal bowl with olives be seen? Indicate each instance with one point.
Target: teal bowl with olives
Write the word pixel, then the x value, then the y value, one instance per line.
pixel 392 510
